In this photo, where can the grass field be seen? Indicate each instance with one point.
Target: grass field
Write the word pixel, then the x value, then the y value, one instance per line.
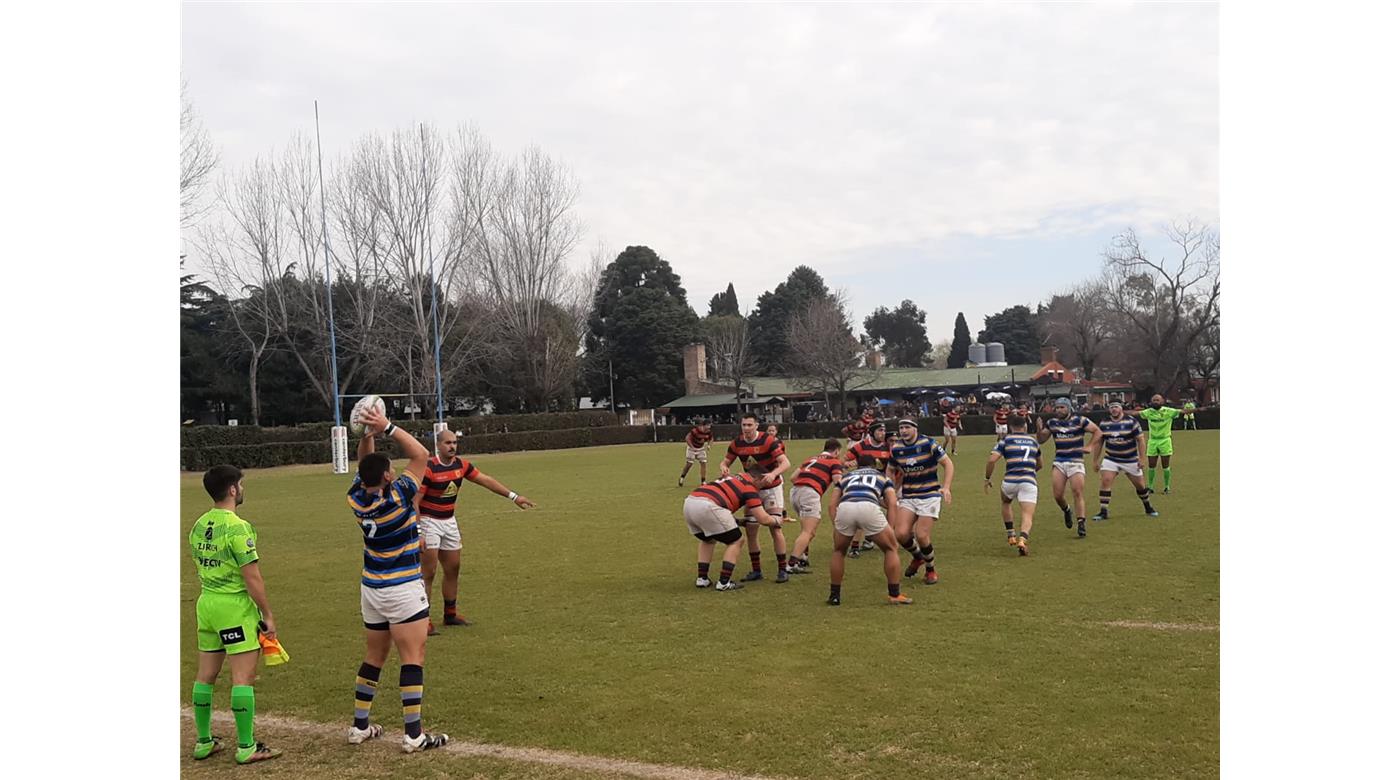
pixel 1089 658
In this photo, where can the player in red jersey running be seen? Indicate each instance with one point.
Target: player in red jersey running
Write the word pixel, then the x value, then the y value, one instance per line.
pixel 697 450
pixel 763 457
pixel 442 539
pixel 814 476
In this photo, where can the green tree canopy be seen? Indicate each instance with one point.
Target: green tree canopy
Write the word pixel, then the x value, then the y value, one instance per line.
pixel 725 304
pixel 962 339
pixel 769 320
pixel 1016 329
pixel 900 333
pixel 641 322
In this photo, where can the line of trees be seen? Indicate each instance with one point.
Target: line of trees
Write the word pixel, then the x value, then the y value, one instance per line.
pixel 428 233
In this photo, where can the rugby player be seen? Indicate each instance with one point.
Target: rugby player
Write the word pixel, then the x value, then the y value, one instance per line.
pixel 1121 449
pixel 1159 418
pixel 442 539
pixel 858 498
pixel 1018 485
pixel 709 514
pixel 916 459
pixel 1000 416
pixel 814 476
pixel 697 450
pixel 763 458
pixel 878 447
pixel 1068 429
pixel 952 421
pixel 232 601
pixel 393 603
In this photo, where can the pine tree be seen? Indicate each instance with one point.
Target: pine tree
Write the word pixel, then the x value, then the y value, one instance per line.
pixel 962 339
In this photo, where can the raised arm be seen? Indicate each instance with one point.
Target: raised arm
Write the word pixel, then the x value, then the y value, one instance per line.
pixel 1042 434
pixel 492 484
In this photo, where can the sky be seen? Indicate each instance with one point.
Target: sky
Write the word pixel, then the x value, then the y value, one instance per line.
pixel 969 157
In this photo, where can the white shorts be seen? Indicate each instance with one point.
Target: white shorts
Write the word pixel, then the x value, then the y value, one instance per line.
pixel 922 507
pixel 700 455
pixel 806 501
pixel 1127 468
pixel 1003 429
pixel 1069 467
pixel 1024 492
pixel 705 517
pixel 853 516
pixel 394 604
pixel 772 502
pixel 950 432
pixel 440 533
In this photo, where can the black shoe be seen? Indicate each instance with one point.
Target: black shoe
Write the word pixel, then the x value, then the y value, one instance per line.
pixel 1150 511
pixel 1069 518
pixel 1102 515
pixel 782 575
pixel 854 553
pixel 1082 531
pixel 751 576
pixel 834 601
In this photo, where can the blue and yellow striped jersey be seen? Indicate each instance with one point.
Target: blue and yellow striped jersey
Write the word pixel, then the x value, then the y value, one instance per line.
pixel 1020 451
pixel 918 466
pixel 1069 436
pixel 390 525
pixel 1120 439
pixel 866 485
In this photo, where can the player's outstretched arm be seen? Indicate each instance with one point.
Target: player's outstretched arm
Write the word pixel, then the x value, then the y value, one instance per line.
pixel 492 484
pixel 366 445
pixel 257 591
pixel 763 517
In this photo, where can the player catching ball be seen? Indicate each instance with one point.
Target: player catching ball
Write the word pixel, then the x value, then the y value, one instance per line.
pixel 393 603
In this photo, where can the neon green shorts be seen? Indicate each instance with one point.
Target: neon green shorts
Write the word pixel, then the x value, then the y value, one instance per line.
pixel 226 622
pixel 1159 446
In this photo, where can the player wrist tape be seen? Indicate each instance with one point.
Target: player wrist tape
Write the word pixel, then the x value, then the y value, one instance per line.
pixel 389 430
pixel 513 495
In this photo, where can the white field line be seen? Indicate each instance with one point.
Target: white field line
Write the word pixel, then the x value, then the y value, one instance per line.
pixel 1161 626
pixel 599 764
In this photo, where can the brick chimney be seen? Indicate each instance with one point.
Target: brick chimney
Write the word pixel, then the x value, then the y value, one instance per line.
pixel 1049 353
pixel 693 355
pixel 874 358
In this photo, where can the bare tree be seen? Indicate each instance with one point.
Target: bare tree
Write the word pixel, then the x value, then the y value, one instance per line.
pixel 937 355
pixel 1081 323
pixel 198 159
pixel 729 344
pixel 1166 303
pixel 246 259
pixel 825 354
pixel 1205 357
pixel 515 221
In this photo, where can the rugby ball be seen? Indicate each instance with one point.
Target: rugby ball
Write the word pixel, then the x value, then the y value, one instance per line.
pixel 362 406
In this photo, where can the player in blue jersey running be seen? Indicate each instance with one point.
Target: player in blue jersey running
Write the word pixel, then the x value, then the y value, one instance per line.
pixel 1123 448
pixel 1018 485
pixel 1068 430
pixel 393 602
pixel 858 498
pixel 916 459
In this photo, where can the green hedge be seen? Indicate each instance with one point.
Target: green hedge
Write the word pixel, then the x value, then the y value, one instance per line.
pixel 286 453
pixel 204 436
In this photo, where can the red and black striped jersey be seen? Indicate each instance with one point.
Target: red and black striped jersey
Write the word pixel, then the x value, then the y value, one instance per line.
pixel 763 452
pixel 951 419
pixel 734 492
pixel 698 438
pixel 880 452
pixel 855 429
pixel 1000 415
pixel 818 472
pixel 441 484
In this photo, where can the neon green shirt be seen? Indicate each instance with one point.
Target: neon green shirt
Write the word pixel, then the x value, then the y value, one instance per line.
pixel 222 543
pixel 1159 421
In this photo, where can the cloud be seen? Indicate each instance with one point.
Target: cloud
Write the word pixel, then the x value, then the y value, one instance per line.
pixel 739 141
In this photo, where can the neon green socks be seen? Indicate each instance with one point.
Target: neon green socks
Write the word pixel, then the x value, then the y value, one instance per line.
pixel 242 700
pixel 1151 478
pixel 203 698
pixel 1167 477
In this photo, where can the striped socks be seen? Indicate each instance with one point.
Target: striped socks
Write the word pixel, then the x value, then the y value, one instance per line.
pixel 366 683
pixel 411 692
